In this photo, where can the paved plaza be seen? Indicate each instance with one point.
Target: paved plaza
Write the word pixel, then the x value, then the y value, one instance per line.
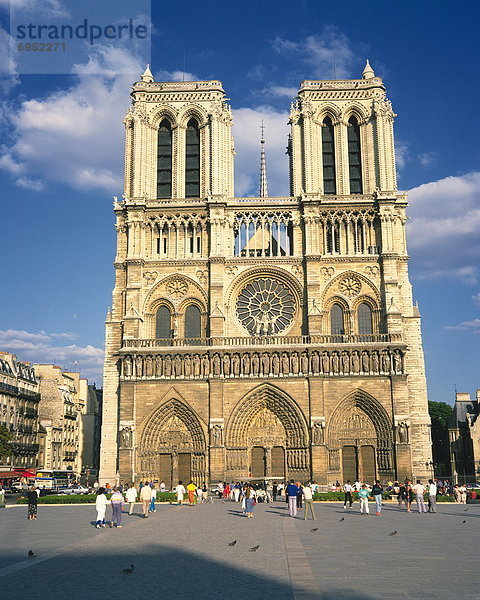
pixel 185 550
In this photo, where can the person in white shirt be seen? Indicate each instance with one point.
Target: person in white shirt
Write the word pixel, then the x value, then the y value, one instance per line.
pixel 131 497
pixel 101 503
pixel 432 496
pixel 419 490
pixel 348 489
pixel 180 491
pixel 308 500
pixel 146 498
pixel 462 493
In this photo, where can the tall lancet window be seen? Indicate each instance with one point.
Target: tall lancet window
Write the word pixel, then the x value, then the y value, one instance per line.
pixel 163 324
pixel 354 157
pixel 192 160
pixel 328 157
pixel 337 322
pixel 164 160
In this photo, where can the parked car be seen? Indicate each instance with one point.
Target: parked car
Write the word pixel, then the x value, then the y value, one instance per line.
pixel 76 489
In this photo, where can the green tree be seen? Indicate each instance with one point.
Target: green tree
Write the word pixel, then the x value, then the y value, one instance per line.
pixel 440 412
pixel 6 437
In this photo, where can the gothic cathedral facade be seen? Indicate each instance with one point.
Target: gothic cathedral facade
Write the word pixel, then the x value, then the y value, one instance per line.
pixel 264 337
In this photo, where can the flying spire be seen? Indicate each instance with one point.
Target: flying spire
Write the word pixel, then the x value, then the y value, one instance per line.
pixel 263 167
pixel 368 72
pixel 147 75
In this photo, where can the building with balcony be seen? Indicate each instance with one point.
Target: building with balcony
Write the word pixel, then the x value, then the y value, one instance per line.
pixel 19 399
pixel 264 337
pixel 59 412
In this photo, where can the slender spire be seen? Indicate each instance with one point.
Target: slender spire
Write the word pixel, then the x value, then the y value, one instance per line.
pixel 368 72
pixel 263 167
pixel 147 75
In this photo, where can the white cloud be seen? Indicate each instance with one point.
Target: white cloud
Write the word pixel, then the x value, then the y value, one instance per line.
pixel 427 158
pixel 246 132
pixel 471 326
pixel 281 91
pixel 443 232
pixel 30 184
pixel 44 347
pixel 476 299
pixel 75 136
pixel 401 154
pixel 48 8
pixel 322 52
pixel 175 76
pixel 8 68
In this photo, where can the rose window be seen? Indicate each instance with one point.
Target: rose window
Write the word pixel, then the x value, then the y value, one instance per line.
pixel 350 286
pixel 265 307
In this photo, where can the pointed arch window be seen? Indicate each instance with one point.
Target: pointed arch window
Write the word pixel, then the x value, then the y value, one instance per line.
pixel 337 322
pixel 193 322
pixel 328 157
pixel 163 324
pixel 365 321
pixel 164 160
pixel 354 157
pixel 192 160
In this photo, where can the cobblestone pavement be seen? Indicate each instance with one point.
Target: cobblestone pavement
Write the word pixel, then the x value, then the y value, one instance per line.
pixel 186 549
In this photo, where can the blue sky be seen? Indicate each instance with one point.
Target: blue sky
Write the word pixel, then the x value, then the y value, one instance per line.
pixel 61 151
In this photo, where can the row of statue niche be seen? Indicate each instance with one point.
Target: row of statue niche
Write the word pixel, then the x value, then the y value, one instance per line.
pixel 257 364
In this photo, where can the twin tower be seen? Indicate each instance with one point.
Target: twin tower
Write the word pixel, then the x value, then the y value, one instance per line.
pixel 264 337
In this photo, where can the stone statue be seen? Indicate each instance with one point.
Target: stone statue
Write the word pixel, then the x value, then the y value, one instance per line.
pixel 295 363
pixel 206 365
pixel 335 363
pixel 226 365
pixel 325 363
pixel 265 364
pixel 177 365
pixel 318 433
pixel 167 366
pixel 216 364
pixel 315 363
pixel 304 363
pixel 385 362
pixel 355 362
pixel 246 364
pixel 187 365
pixel 126 437
pixel 127 366
pixel 275 364
pixel 196 365
pixel 397 362
pixel 236 365
pixel 285 364
pixel 365 362
pixel 138 366
pixel 149 366
pixel 402 431
pixel 255 364
pixel 345 363
pixel 158 365
pixel 375 364
pixel 216 432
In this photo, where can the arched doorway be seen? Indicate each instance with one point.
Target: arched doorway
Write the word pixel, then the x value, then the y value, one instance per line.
pixel 360 441
pixel 267 438
pixel 173 446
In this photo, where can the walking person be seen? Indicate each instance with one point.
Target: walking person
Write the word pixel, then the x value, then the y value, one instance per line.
pixel 274 491
pixel 117 502
pixel 419 490
pixel 308 499
pixel 146 498
pixel 180 491
pixel 377 490
pixel 363 496
pixel 432 496
pixel 347 490
pixel 152 508
pixel 250 496
pixel 101 504
pixel 32 498
pixel 291 495
pixel 299 494
pixel 191 487
pixel 204 493
pixel 131 497
pixel 162 487
pixel 408 496
pixel 462 493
